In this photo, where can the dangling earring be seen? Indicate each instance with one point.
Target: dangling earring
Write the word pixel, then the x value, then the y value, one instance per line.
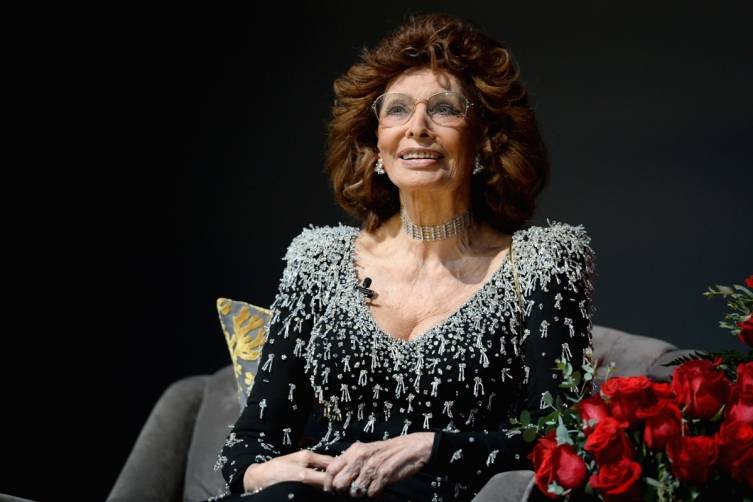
pixel 477 165
pixel 379 168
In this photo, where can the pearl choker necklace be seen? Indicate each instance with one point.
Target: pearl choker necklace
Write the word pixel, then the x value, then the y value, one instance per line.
pixel 441 231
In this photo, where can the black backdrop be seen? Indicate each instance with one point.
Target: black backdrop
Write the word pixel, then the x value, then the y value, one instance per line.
pixel 204 152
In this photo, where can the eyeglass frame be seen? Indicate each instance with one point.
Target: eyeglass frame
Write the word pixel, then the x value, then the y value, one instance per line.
pixel 468 106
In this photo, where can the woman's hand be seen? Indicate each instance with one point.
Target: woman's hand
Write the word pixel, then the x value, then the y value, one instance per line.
pixel 299 466
pixel 372 466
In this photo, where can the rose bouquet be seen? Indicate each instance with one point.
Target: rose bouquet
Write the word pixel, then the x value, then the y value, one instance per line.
pixel 635 439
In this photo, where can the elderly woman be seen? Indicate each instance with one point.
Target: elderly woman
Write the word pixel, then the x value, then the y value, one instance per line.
pixel 416 337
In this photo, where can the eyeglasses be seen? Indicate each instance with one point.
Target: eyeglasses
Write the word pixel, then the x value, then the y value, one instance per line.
pixel 443 108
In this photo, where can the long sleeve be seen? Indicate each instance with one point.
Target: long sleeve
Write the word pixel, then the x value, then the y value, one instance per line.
pixel 557 325
pixel 281 398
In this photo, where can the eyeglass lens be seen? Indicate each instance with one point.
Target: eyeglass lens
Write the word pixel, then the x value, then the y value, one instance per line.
pixel 445 108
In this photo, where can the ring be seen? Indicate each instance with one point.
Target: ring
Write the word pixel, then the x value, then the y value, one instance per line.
pixel 356 490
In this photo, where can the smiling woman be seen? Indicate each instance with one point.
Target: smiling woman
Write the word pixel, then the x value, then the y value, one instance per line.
pixel 433 147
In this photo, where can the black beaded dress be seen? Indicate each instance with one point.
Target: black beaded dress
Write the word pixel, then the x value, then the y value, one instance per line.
pixel 326 361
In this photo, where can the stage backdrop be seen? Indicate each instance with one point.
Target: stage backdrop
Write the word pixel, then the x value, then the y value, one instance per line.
pixel 645 107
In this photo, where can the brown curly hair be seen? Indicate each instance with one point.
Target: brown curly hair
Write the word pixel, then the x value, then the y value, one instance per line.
pixel 515 162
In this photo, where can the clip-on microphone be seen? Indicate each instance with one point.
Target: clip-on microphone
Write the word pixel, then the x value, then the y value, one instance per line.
pixel 365 288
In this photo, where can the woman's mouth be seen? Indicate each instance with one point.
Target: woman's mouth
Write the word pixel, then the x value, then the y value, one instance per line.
pixel 420 160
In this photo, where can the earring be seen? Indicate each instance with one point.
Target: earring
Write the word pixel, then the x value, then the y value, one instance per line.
pixel 477 165
pixel 379 168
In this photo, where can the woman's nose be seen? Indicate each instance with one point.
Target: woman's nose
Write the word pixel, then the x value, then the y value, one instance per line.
pixel 419 123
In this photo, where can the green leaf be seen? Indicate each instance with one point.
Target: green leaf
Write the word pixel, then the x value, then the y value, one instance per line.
pixel 525 417
pixel 693 356
pixel 718 416
pixel 568 370
pixel 555 489
pixel 653 482
pixel 725 290
pixel 547 399
pixel 563 436
pixel 529 435
pixel 576 377
pixel 558 401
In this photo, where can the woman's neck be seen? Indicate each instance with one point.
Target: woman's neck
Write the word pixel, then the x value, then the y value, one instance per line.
pixel 428 209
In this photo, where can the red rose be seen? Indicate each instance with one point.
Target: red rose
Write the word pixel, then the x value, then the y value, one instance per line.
pixel 663 422
pixel 662 390
pixel 745 380
pixel 701 388
pixel 742 468
pixel 746 331
pixel 608 442
pixel 542 450
pixel 618 481
pixel 626 395
pixel 734 439
pixel 562 466
pixel 741 409
pixel 593 408
pixel 749 281
pixel 692 457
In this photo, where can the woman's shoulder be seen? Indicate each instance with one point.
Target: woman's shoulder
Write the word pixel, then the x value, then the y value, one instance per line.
pixel 322 244
pixel 556 239
pixel 555 248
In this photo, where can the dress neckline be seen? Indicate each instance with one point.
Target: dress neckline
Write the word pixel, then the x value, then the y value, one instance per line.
pixel 359 299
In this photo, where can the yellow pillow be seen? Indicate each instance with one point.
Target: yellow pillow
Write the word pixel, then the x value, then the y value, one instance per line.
pixel 245 329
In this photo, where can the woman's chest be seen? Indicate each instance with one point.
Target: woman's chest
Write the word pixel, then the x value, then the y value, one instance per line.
pixel 455 370
pixel 405 312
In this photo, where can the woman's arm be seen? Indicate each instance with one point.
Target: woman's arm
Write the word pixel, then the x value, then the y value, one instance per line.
pixel 281 398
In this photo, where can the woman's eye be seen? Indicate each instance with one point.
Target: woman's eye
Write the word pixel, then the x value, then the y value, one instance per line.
pixel 445 109
pixel 396 110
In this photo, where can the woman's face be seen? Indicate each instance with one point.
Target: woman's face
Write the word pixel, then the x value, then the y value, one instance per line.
pixel 453 146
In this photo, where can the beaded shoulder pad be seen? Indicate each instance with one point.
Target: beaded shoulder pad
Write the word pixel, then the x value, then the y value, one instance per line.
pixel 554 252
pixel 314 259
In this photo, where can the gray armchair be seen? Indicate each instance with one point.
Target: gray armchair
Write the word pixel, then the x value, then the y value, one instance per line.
pixel 174 456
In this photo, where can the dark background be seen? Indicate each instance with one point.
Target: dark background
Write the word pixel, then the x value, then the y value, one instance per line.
pixel 201 156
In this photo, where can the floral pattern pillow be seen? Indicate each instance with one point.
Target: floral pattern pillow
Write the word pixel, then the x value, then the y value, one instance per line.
pixel 245 328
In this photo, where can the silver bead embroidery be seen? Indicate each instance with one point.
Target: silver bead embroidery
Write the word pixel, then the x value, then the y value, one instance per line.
pixel 434 384
pixel 268 365
pixel 427 416
pixel 345 396
pixel 406 424
pixel 313 259
pixel 447 410
pixel 478 386
pixel 262 405
pixel 290 394
pixel 370 424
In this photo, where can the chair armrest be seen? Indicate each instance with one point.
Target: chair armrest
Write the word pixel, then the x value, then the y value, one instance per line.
pixel 156 466
pixel 10 498
pixel 660 373
pixel 509 486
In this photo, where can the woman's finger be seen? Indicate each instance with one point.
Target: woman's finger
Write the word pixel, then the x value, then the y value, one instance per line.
pixel 319 461
pixel 365 478
pixel 342 480
pixel 332 470
pixel 312 477
pixel 383 474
